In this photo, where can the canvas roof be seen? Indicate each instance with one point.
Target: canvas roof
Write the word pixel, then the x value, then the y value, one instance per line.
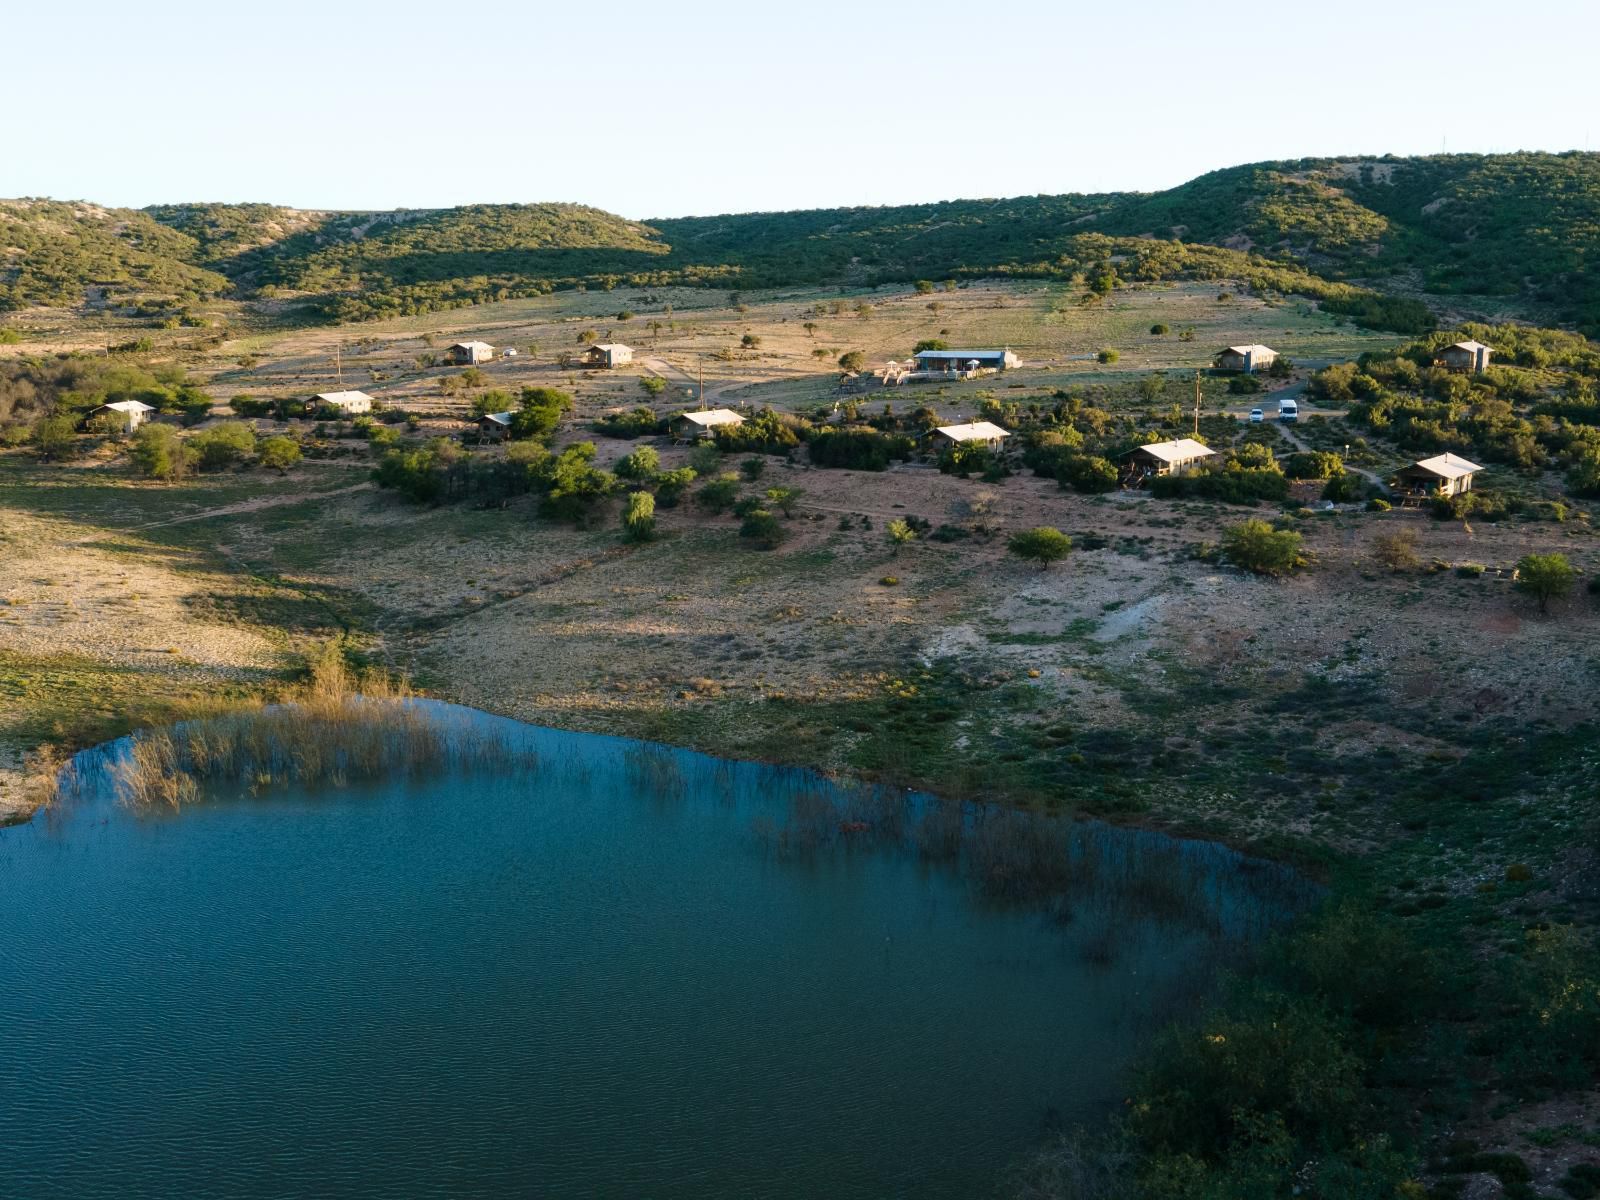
pixel 129 406
pixel 1446 466
pixel 610 346
pixel 337 398
pixel 470 346
pixel 1251 349
pixel 498 418
pixel 714 416
pixel 962 354
pixel 1182 450
pixel 973 431
pixel 1471 347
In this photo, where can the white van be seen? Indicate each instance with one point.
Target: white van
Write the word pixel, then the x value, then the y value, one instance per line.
pixel 1288 410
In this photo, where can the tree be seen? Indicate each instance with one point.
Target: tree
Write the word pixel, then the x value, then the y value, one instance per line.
pixel 900 533
pixel 1090 474
pixel 784 499
pixel 930 344
pixel 573 484
pixel 540 411
pixel 852 361
pixel 1257 546
pixel 639 518
pixel 924 287
pixel 641 465
pixel 1313 464
pixel 160 453
pixel 750 342
pixel 55 438
pixel 223 445
pixel 1545 577
pixel 1042 545
pixel 811 328
pixel 279 453
pixel 1151 387
pixel 653 384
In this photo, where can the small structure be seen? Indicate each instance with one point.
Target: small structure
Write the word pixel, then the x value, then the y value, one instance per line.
pixel 704 423
pixel 608 354
pixel 347 404
pixel 1162 458
pixel 1441 475
pixel 1466 357
pixel 494 426
pixel 469 354
pixel 966 362
pixel 127 414
pixel 1248 359
pixel 983 432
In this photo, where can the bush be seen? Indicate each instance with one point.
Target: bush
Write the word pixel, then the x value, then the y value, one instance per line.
pixel 671 485
pixel 930 344
pixel 857 449
pixel 636 423
pixel 762 529
pixel 641 465
pixel 1107 355
pixel 1232 484
pixel 223 445
pixel 1158 330
pixel 717 495
pixel 653 384
pixel 1378 505
pixel 539 413
pixel 1042 545
pixel 1348 488
pixel 1090 474
pixel 279 453
pixel 1396 549
pixel 55 438
pixel 159 453
pixel 1545 577
pixel 1313 464
pixel 1258 547
pixel 1470 570
pixel 639 517
pixel 852 361
pixel 752 469
pixel 1244 385
pixel 572 484
pixel 784 499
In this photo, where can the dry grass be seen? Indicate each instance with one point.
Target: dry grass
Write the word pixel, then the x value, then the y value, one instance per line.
pixel 338 728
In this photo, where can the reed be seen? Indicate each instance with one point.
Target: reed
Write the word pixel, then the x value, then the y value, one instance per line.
pixel 336 729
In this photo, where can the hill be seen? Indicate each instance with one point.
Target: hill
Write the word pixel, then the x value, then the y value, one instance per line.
pixel 1518 228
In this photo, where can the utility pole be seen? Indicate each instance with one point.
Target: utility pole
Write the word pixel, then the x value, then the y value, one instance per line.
pixel 702 381
pixel 1197 405
pixel 338 363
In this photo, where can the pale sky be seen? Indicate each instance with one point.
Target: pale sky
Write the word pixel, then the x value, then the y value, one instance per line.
pixel 708 106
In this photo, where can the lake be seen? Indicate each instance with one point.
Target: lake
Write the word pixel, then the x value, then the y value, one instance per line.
pixel 622 970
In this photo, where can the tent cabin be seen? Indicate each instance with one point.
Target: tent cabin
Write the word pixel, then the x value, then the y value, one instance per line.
pixel 1162 458
pixel 1466 357
pixel 704 423
pixel 1246 358
pixel 983 432
pixel 128 415
pixel 607 354
pixel 965 362
pixel 469 354
pixel 494 426
pixel 346 404
pixel 1441 475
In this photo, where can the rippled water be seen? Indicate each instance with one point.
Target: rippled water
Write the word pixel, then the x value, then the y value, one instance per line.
pixel 625 973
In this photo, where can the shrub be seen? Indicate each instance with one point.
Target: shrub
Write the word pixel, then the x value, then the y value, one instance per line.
pixel 636 423
pixel 930 344
pixel 1258 547
pixel 1313 464
pixel 653 384
pixel 717 495
pixel 1470 570
pixel 223 445
pixel 540 412
pixel 889 581
pixel 1158 330
pixel 1396 549
pixel 1107 355
pixel 852 361
pixel 671 485
pixel 641 465
pixel 159 453
pixel 1244 385
pixel 784 499
pixel 752 469
pixel 762 529
pixel 55 438
pixel 639 517
pixel 572 484
pixel 279 453
pixel 1348 488
pixel 1042 545
pixel 1090 474
pixel 901 533
pixel 1545 577
pixel 857 449
pixel 1378 505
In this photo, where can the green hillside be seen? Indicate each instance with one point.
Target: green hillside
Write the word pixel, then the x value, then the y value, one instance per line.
pixel 1519 229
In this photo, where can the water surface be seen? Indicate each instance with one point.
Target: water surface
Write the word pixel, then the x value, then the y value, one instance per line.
pixel 629 972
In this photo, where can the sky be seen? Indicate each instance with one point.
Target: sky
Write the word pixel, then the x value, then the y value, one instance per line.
pixel 705 106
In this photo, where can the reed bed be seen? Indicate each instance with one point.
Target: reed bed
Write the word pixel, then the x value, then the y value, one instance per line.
pixel 336 730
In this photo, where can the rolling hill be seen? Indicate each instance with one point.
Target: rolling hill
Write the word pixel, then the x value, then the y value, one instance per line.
pixel 1518 228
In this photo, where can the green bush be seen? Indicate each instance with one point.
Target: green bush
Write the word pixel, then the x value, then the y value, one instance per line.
pixel 1313 464
pixel 1090 474
pixel 641 465
pixel 224 444
pixel 1346 488
pixel 1107 355
pixel 1545 577
pixel 857 449
pixel 718 495
pixel 671 485
pixel 278 453
pixel 635 423
pixel 762 529
pixel 1258 547
pixel 1470 570
pixel 639 517
pixel 1378 505
pixel 1042 545
pixel 160 453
